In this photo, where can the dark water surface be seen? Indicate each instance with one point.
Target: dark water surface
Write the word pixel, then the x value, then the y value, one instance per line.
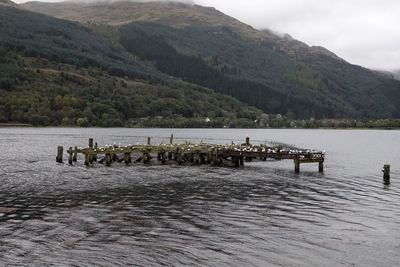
pixel 262 215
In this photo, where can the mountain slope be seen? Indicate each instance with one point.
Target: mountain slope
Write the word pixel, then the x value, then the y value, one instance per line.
pixel 55 72
pixel 274 73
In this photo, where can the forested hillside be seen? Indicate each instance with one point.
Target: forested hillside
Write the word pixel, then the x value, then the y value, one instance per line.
pixel 56 72
pixel 203 46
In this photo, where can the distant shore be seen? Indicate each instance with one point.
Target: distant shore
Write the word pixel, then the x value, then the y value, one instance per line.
pixel 5 125
pixel 25 125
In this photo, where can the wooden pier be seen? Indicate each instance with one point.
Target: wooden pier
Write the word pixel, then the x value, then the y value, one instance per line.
pixel 188 153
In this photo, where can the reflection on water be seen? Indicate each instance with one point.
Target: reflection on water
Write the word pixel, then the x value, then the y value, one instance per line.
pixel 261 215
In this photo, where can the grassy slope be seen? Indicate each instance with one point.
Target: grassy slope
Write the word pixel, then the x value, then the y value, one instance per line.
pixel 322 83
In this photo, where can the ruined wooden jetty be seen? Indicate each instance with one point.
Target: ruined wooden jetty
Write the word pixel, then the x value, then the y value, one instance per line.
pixel 188 153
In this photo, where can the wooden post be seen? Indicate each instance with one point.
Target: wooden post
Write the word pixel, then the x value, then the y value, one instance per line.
pixel 114 156
pixel 296 166
pixel 86 158
pixel 75 156
pixel 235 160
pixel 90 156
pixel 127 158
pixel 146 158
pixel 247 141
pixel 163 157
pixel 70 156
pixel 386 174
pixel 178 156
pixel 321 166
pixel 91 142
pixel 148 140
pixel 108 159
pixel 171 139
pixel 95 155
pixel 213 157
pixel 59 157
pixel 241 162
pixel 203 159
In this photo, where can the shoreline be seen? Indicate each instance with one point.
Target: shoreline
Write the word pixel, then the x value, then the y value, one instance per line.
pixel 24 125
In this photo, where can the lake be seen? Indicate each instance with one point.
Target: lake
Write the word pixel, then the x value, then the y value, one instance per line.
pixel 260 215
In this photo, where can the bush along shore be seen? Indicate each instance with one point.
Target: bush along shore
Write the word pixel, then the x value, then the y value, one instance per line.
pixel 274 122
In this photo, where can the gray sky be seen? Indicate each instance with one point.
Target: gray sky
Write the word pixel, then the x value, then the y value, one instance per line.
pixel 364 32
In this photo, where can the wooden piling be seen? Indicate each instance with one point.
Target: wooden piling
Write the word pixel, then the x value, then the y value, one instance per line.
pixel 241 162
pixel 163 158
pixel 171 139
pixel 178 156
pixel 75 156
pixel 70 157
pixel 196 157
pixel 247 141
pixel 95 155
pixel 203 159
pixel 148 140
pixel 91 142
pixel 127 158
pixel 235 161
pixel 296 166
pixel 321 166
pixel 386 174
pixel 59 157
pixel 86 159
pixel 146 158
pixel 90 156
pixel 108 158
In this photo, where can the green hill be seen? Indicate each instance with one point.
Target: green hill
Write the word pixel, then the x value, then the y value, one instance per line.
pixel 203 46
pixel 58 72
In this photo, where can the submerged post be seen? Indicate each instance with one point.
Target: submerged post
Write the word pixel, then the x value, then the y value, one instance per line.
pixel 386 174
pixel 75 156
pixel 95 155
pixel 108 158
pixel 70 158
pixel 127 158
pixel 146 157
pixel 90 156
pixel 87 160
pixel 59 157
pixel 241 163
pixel 321 166
pixel 296 166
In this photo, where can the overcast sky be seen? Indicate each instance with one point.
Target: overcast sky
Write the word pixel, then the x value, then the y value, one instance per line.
pixel 364 32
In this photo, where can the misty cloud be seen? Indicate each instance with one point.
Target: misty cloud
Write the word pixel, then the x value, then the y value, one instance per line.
pixel 364 32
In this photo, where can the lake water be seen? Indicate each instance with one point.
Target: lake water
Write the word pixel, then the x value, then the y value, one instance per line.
pixel 260 215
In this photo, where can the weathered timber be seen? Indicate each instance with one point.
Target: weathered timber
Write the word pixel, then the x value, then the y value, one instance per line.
pixel 59 157
pixel 75 156
pixel 386 174
pixel 95 155
pixel 70 156
pixel 202 153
